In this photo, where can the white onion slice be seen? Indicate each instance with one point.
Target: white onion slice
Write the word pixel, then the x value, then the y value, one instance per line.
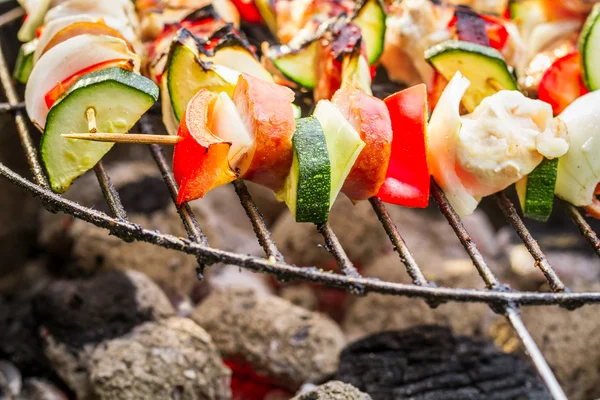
pixel 227 124
pixel 118 14
pixel 444 126
pixel 55 26
pixel 579 169
pixel 65 60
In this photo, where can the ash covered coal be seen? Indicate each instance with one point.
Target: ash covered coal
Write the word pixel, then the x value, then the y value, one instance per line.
pixel 281 341
pixel 169 359
pixel 76 316
pixel 430 362
pixel 334 390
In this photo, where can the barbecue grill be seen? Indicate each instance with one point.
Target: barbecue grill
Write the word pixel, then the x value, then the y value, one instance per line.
pixel 502 299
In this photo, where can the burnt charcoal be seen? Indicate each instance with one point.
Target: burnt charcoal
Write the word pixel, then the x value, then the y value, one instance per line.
pixel 144 196
pixel 79 312
pixel 19 339
pixel 428 362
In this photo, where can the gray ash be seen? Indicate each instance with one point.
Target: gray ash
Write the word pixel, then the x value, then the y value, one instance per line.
pixel 430 363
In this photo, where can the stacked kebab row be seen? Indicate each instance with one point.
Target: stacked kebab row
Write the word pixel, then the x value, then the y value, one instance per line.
pixel 230 118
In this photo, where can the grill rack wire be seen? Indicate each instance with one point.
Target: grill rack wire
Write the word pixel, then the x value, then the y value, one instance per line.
pixel 501 298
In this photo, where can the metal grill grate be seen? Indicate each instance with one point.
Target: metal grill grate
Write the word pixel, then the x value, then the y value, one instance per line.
pixel 499 297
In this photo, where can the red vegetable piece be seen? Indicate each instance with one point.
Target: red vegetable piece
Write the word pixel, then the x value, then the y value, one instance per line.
pixel 248 11
pixel 266 109
pixel 200 158
pixel 561 84
pixel 407 179
pixel 371 119
pixel 61 87
pixel 496 31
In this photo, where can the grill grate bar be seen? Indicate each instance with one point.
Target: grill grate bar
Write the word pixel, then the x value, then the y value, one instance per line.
pixel 585 228
pixel 7 107
pixel 508 309
pixel 536 356
pixel 532 245
pixel 333 245
pixel 11 16
pixel 399 244
pixel 258 223
pixel 484 271
pixel 110 193
pixel 11 95
pixel 127 230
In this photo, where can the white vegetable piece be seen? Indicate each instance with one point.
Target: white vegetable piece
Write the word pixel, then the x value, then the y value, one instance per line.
pixel 579 169
pixel 118 14
pixel 66 59
pixel 228 125
pixel 502 141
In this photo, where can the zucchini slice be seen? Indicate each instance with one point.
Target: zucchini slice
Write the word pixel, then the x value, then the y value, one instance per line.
pixel 119 98
pixel 483 66
pixel 370 18
pixel 308 186
pixel 24 63
pixel 297 62
pixel 589 47
pixel 343 143
pixel 536 191
pixel 186 74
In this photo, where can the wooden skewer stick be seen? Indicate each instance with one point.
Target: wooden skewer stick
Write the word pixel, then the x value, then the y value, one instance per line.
pixel 134 138
pixel 90 114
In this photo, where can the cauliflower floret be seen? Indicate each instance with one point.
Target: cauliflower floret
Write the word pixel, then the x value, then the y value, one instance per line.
pixel 504 139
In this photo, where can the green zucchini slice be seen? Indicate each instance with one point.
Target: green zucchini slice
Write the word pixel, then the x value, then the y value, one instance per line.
pixel 297 63
pixel 307 187
pixel 370 18
pixel 589 47
pixel 343 142
pixel 24 63
pixel 119 98
pixel 536 191
pixel 186 74
pixel 483 66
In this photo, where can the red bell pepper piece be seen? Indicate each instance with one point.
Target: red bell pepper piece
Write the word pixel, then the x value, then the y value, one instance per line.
pixel 407 179
pixel 561 84
pixel 496 31
pixel 248 11
pixel 200 158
